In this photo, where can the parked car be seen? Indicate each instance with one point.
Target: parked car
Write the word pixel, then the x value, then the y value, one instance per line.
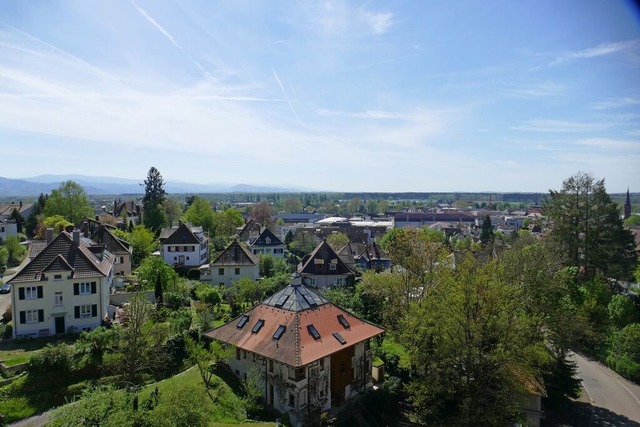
pixel 5 289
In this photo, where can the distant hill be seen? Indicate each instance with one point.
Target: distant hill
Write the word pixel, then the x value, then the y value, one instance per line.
pixel 99 185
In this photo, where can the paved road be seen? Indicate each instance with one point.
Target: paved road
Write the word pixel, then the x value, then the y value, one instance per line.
pixel 615 401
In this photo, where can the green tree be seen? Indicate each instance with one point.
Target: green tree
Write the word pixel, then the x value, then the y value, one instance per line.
pixel 143 242
pixel 586 222
pixel 419 255
pixel 200 213
pixel 206 357
pixel 4 256
pixel 140 342
pixel 154 216
pixel 622 311
pixel 70 201
pixel 486 235
pixel 473 348
pixel 173 209
pixel 15 250
pixel 36 214
pixel 153 269
pixel 337 240
pixel 292 205
pixel 633 220
pixel 208 294
pixel 262 213
pixel 19 220
pixel 57 222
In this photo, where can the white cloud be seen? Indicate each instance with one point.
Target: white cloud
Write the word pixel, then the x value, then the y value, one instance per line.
pixel 610 144
pixel 544 125
pixel 603 49
pixel 379 22
pixel 615 103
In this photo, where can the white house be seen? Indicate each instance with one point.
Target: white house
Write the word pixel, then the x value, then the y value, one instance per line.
pixel 184 246
pixel 310 355
pixel 64 287
pixel 7 229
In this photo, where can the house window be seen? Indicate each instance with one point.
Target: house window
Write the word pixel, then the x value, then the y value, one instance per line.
pixel 270 365
pixel 303 398
pixel 292 400
pixel 221 272
pixel 31 292
pixel 237 271
pixel 237 353
pixel 322 364
pixel 85 288
pixel 255 251
pixel 332 266
pixel 58 298
pixel 339 281
pixel 85 311
pixel 32 316
pixel 311 281
pixel 268 240
pixel 57 277
pixel 244 354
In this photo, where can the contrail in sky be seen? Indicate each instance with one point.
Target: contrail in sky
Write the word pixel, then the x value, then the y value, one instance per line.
pixel 287 97
pixel 168 36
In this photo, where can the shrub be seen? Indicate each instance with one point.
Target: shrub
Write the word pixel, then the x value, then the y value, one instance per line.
pixel 6 331
pixel 53 357
pixel 625 367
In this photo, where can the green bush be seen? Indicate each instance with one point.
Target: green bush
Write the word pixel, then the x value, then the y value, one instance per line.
pixel 6 331
pixel 625 367
pixel 52 358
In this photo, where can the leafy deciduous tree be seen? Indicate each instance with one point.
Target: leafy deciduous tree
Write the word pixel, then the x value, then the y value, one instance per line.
pixel 70 201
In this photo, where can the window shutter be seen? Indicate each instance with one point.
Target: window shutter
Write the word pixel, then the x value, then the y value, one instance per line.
pixel 93 287
pixel 23 316
pixel 76 289
pixel 21 295
pixel 40 315
pixel 94 310
pixel 76 311
pixel 40 292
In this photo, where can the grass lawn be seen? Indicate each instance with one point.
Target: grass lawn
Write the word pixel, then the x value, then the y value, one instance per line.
pixel 20 351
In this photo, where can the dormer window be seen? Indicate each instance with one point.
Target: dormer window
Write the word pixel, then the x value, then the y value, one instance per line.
pixel 314 332
pixel 243 321
pixel 256 328
pixel 268 240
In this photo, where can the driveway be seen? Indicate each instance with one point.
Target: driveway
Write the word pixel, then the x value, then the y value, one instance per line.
pixel 614 400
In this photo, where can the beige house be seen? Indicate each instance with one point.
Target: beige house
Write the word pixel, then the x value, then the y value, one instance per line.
pixel 120 249
pixel 64 287
pixel 234 263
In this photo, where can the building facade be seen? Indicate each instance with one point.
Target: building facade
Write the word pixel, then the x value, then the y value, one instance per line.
pixel 310 355
pixel 65 287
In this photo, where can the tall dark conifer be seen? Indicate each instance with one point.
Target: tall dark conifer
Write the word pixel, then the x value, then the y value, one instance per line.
pixel 154 216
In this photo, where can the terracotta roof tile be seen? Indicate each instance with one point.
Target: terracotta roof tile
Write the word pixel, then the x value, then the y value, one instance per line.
pixel 296 346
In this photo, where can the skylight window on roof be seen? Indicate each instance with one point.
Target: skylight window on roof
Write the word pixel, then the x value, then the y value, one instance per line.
pixel 344 322
pixel 243 321
pixel 281 329
pixel 341 340
pixel 256 328
pixel 282 300
pixel 309 299
pixel 314 332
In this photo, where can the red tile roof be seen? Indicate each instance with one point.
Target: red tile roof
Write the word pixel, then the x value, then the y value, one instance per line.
pixel 296 346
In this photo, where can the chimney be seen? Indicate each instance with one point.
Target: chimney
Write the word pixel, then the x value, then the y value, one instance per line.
pixel 49 235
pixel 85 229
pixel 76 237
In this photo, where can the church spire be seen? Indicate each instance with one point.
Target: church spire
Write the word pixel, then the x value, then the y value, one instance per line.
pixel 627 206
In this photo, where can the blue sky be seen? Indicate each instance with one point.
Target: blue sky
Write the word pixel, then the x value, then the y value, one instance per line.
pixel 332 95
